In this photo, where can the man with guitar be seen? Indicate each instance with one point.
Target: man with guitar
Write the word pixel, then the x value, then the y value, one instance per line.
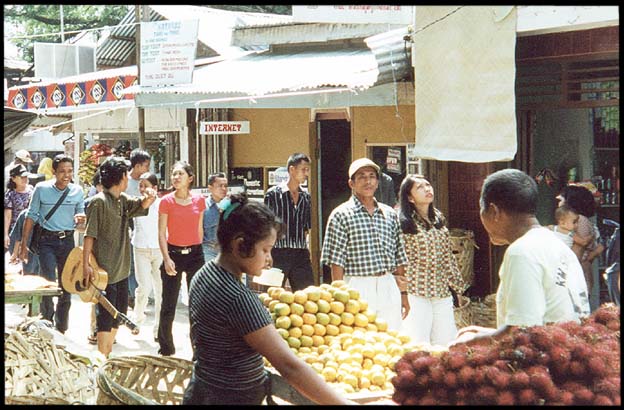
pixel 107 236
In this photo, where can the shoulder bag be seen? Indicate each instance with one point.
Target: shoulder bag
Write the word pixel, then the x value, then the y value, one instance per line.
pixel 33 246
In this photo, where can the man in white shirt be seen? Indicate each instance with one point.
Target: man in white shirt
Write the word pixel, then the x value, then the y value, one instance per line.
pixel 541 279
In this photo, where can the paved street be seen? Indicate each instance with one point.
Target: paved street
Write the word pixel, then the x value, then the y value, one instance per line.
pixel 127 344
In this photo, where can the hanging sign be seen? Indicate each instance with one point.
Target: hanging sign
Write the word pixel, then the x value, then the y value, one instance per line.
pixel 223 127
pixel 168 52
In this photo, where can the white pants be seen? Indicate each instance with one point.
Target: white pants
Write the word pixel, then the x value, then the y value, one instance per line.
pixel 430 320
pixel 382 294
pixel 147 263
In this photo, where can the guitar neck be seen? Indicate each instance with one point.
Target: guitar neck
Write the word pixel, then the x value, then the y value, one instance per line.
pixel 113 311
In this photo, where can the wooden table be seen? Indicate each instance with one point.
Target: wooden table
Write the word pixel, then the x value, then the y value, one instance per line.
pixel 30 297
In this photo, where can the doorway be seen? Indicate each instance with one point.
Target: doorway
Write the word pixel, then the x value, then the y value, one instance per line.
pixel 334 137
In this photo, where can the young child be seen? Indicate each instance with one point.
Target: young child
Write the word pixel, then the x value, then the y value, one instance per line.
pixel 230 328
pixel 567 221
pixel 107 235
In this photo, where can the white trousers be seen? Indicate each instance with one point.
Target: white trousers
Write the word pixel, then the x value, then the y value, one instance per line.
pixel 147 263
pixel 382 294
pixel 430 320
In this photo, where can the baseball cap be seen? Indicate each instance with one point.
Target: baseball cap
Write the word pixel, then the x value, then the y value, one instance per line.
pixel 23 155
pixel 19 170
pixel 361 163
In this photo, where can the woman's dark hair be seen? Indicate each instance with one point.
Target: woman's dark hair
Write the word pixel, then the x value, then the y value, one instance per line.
pixel 61 158
pixel 97 178
pixel 113 170
pixel 186 166
pixel 250 220
pixel 511 190
pixel 151 177
pixel 580 199
pixel 408 212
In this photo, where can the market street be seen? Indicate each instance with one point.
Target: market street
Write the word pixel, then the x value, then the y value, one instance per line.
pixel 127 344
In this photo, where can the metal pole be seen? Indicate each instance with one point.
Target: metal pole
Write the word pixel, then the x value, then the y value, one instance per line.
pixel 141 113
pixel 62 29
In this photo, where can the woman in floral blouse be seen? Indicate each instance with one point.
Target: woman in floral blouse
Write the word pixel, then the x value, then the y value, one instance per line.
pixel 431 267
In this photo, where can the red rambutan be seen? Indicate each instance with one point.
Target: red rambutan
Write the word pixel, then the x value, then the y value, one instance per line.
pixel 422 364
pixel 596 366
pixel 436 373
pixel 527 397
pixel 402 365
pixel 613 325
pixel 455 360
pixel 450 379
pixel 427 400
pixel 506 398
pixel 559 336
pixel 524 354
pixel 485 395
pixel 571 327
pixel 502 380
pixel 600 400
pixel 423 380
pixel 462 394
pixel 541 382
pixel 415 354
pixel 519 379
pixel 542 358
pixel 405 379
pixel 522 338
pixel 583 396
pixel 412 400
pixel 465 375
pixel 502 365
pixel 566 398
pixel 399 396
pixel 540 337
pixel 577 369
pixel 581 351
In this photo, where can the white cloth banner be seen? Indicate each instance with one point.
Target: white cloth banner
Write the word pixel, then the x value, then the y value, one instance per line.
pixel 464 78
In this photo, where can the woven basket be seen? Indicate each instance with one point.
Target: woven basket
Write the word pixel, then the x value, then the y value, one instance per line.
pixel 484 311
pixel 35 401
pixel 143 380
pixel 463 246
pixel 36 367
pixel 463 313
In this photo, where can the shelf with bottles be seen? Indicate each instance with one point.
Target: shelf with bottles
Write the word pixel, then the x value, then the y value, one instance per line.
pixel 606 127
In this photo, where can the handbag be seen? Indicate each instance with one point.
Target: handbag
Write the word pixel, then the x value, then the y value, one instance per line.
pixel 33 246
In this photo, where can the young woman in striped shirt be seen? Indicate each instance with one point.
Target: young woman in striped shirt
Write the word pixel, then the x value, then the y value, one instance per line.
pixel 230 328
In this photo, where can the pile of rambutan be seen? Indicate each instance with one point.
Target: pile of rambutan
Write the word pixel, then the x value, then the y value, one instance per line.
pixel 556 364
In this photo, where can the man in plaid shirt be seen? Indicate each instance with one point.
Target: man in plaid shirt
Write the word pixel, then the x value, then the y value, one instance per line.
pixel 363 246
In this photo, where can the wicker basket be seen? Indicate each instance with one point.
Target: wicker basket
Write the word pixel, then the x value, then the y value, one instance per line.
pixel 463 246
pixel 484 311
pixel 35 400
pixel 143 380
pixel 462 313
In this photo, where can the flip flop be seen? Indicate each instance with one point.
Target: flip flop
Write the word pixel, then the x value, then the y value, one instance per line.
pixel 135 331
pixel 92 339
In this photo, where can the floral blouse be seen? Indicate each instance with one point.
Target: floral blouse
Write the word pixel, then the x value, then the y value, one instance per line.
pixel 432 266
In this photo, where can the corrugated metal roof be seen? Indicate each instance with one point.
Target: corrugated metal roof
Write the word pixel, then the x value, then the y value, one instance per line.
pixel 265 72
pixel 215 29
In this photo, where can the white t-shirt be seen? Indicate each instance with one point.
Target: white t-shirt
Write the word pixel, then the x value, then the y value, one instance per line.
pixel 541 281
pixel 145 234
pixel 133 186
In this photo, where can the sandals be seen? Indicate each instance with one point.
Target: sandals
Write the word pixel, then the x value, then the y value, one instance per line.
pixel 135 331
pixel 92 338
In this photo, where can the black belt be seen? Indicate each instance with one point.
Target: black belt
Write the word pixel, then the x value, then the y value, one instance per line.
pixel 58 234
pixel 184 250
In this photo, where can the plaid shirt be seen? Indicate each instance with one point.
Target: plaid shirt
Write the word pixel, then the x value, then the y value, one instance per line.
pixel 362 244
pixel 432 266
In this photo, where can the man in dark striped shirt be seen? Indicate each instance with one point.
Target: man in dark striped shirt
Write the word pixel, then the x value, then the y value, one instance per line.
pixel 293 205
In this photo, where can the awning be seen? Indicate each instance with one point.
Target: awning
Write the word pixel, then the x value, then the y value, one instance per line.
pixel 248 80
pixel 15 123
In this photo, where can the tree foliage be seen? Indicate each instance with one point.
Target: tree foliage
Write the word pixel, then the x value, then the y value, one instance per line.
pixel 263 8
pixel 36 19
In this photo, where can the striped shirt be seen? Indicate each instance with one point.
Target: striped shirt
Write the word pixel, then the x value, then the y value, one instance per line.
pixel 432 266
pixel 362 244
pixel 297 218
pixel 223 310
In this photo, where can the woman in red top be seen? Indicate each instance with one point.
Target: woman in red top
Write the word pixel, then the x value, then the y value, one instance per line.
pixel 180 233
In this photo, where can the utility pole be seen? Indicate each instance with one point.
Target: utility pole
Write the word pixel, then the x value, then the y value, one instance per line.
pixel 62 28
pixel 141 14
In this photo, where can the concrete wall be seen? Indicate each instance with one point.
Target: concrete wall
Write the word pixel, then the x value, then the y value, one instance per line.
pixel 127 120
pixel 374 125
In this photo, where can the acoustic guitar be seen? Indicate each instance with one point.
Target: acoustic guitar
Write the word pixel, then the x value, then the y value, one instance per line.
pixel 72 281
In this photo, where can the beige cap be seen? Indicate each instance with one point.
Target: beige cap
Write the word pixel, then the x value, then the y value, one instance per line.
pixel 23 155
pixel 361 163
